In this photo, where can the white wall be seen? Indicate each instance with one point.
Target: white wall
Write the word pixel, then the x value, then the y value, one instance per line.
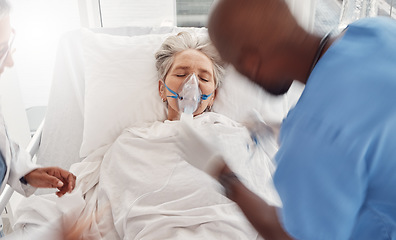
pixel 39 24
pixel 120 13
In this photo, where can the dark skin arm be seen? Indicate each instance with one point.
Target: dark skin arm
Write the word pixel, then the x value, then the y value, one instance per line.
pixel 262 216
pixel 52 177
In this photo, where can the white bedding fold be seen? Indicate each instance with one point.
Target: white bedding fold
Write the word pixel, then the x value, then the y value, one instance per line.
pixel 141 188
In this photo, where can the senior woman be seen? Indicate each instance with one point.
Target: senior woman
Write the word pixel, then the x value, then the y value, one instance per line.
pixel 179 57
pixel 141 187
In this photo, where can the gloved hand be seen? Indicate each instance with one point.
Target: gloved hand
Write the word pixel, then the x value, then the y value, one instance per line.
pixel 262 134
pixel 198 151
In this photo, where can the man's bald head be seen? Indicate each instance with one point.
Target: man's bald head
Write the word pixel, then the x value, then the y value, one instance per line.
pixel 250 22
pixel 262 39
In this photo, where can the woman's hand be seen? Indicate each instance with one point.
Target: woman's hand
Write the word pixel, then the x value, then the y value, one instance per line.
pixel 52 177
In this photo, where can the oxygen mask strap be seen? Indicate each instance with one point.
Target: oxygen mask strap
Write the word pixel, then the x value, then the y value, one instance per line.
pixel 175 95
pixel 205 96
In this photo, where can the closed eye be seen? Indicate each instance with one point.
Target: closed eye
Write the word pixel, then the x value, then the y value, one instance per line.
pixel 205 80
pixel 180 75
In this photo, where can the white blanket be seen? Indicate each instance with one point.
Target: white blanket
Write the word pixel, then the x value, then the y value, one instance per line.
pixel 141 188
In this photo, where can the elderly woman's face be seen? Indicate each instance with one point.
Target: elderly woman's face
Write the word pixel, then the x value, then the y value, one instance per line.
pixel 185 63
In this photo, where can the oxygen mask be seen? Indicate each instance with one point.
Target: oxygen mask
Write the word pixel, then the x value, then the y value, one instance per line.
pixel 189 95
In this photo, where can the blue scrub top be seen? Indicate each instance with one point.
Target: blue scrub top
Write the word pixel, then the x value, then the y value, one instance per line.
pixel 336 171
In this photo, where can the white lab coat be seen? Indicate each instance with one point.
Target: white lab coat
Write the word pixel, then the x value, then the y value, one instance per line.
pixel 18 163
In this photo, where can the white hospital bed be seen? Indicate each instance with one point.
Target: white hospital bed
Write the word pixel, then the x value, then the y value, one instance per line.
pixel 62 133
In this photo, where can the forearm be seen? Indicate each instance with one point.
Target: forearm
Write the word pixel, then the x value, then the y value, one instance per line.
pixel 260 214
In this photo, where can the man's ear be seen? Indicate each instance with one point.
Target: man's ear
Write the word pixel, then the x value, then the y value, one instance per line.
pixel 161 90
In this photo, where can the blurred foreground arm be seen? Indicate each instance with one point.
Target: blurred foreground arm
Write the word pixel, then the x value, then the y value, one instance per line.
pixel 201 154
pixel 260 214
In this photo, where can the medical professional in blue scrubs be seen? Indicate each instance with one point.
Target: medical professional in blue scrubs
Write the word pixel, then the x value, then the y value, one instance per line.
pixel 336 166
pixel 16 167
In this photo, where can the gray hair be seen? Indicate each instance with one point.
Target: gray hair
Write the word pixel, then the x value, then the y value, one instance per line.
pixel 4 8
pixel 165 56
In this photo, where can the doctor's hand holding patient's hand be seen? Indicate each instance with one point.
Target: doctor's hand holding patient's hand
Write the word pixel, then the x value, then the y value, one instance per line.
pixel 52 177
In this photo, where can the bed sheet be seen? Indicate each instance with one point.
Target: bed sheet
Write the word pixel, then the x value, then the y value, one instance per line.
pixel 142 188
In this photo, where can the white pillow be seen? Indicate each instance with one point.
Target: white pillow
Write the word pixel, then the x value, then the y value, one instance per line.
pixel 121 86
pixel 121 89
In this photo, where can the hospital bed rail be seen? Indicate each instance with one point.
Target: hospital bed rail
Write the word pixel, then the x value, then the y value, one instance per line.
pixel 32 149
